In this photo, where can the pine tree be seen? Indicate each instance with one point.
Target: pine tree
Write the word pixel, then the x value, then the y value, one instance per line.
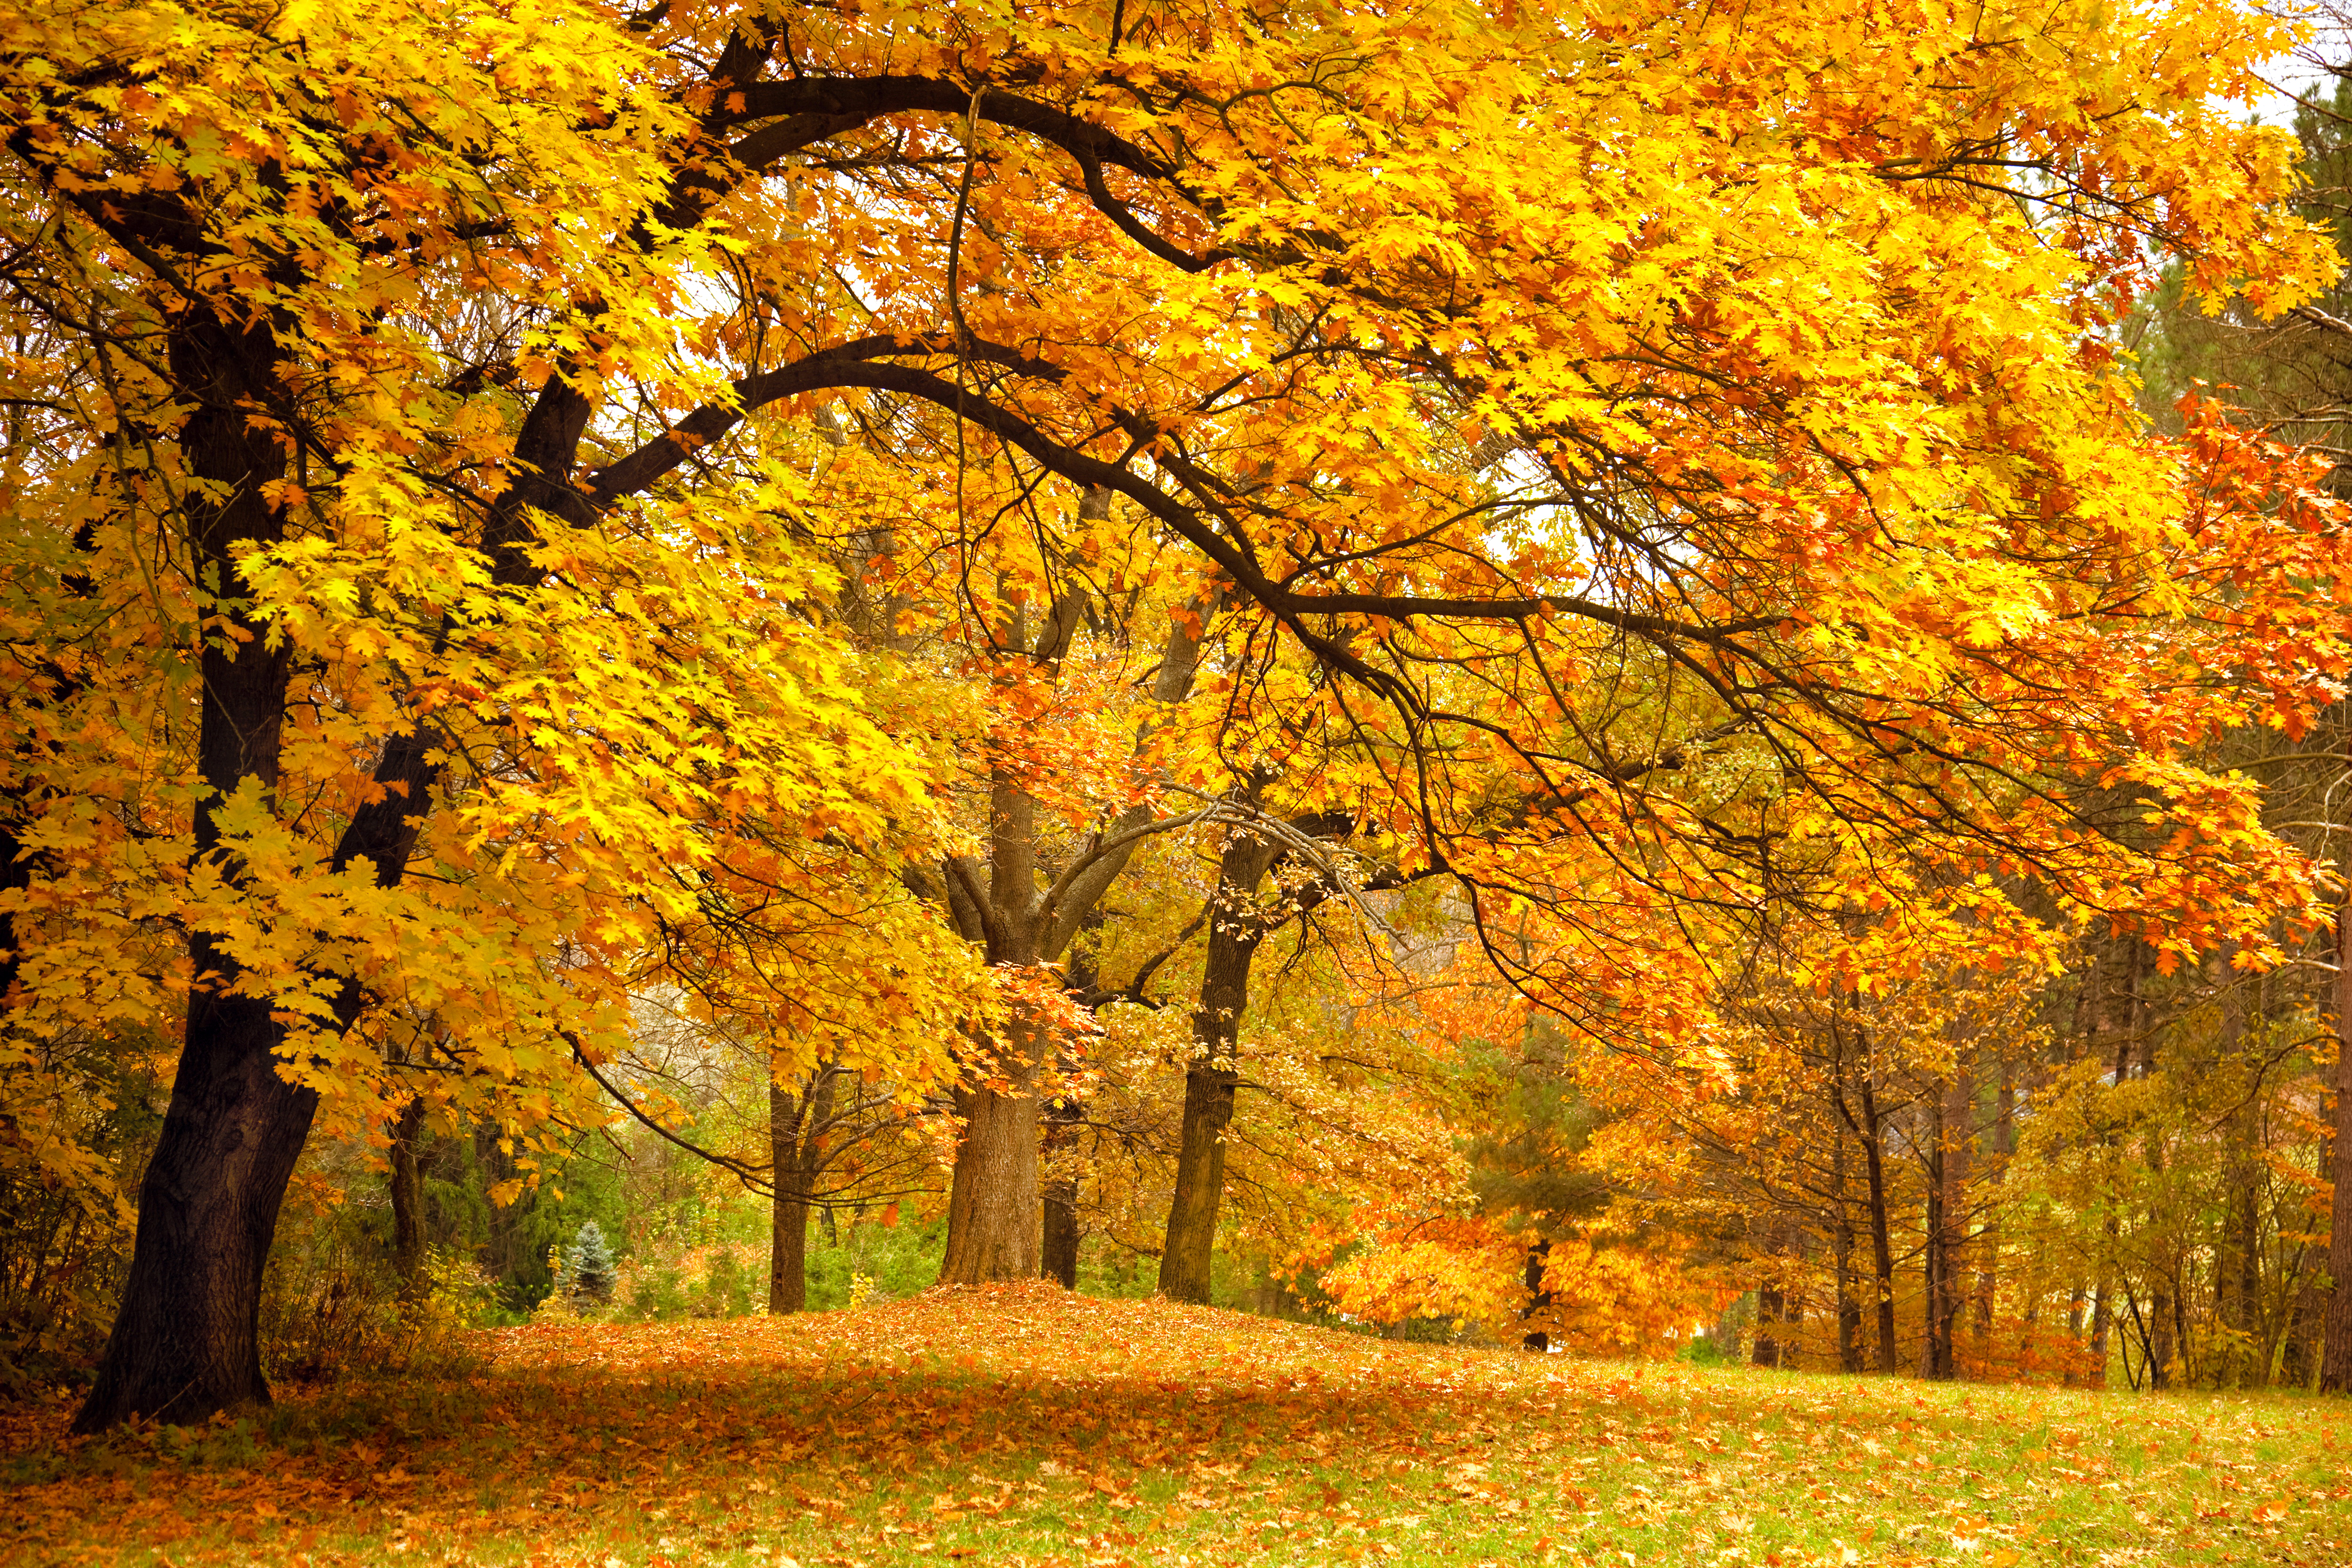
pixel 589 1265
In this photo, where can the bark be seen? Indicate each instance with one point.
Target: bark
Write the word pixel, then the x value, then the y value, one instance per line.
pixel 2160 1344
pixel 22 802
pixel 1841 1245
pixel 792 1128
pixel 1059 1250
pixel 2103 1318
pixel 505 1255
pixel 1058 1253
pixel 1235 930
pixel 408 1201
pixel 1770 1302
pixel 788 1231
pixel 2335 1339
pixel 1935 1254
pixel 2299 1346
pixel 2246 1248
pixel 994 1210
pixel 1882 1242
pixel 1869 1131
pixel 186 1341
pixel 1538 1299
pixel 183 1345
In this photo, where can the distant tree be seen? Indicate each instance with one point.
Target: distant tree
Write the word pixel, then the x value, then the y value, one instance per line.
pixel 588 1265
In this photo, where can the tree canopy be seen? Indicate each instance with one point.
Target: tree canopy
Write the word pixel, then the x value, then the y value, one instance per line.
pixel 512 507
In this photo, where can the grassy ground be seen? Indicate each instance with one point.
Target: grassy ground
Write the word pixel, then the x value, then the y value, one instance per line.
pixel 1025 1427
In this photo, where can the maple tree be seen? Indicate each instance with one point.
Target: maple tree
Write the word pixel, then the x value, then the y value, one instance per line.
pixel 1652 452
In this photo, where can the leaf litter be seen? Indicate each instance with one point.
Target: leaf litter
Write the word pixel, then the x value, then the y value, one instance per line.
pixel 1024 1426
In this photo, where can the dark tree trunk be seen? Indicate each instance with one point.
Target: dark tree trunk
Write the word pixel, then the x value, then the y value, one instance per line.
pixel 797 1127
pixel 1841 1245
pixel 186 1342
pixel 1235 930
pixel 1539 1298
pixel 2335 1339
pixel 2300 1345
pixel 1058 1253
pixel 2248 1368
pixel 1936 1252
pixel 1059 1260
pixel 2160 1344
pixel 787 1254
pixel 21 802
pixel 1770 1302
pixel 408 1201
pixel 1882 1241
pixel 503 1255
pixel 1986 1243
pixel 788 1211
pixel 2103 1318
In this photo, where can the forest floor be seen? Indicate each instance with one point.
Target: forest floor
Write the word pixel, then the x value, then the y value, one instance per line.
pixel 1021 1425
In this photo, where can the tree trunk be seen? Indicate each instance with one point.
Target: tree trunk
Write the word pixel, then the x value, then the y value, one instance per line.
pixel 1986 1243
pixel 1184 1261
pixel 1842 1242
pixel 2299 1346
pixel 1060 1246
pixel 1935 1256
pixel 1882 1241
pixel 993 1212
pixel 1064 1115
pixel 2160 1348
pixel 186 1342
pixel 2336 1343
pixel 2103 1318
pixel 20 803
pixel 992 1206
pixel 1059 1250
pixel 1770 1300
pixel 2249 1367
pixel 788 1209
pixel 1235 930
pixel 1538 1299
pixel 408 1202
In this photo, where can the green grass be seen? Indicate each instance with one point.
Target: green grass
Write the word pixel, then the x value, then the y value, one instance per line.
pixel 1025 1426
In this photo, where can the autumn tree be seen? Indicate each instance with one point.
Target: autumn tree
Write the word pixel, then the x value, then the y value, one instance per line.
pixel 456 368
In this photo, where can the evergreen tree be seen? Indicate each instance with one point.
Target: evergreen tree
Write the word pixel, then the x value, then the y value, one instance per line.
pixel 588 1266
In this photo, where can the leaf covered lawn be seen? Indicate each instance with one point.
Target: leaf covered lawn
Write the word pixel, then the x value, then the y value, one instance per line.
pixel 1022 1426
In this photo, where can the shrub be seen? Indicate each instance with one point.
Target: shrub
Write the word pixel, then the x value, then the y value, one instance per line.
pixel 656 1295
pixel 726 1289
